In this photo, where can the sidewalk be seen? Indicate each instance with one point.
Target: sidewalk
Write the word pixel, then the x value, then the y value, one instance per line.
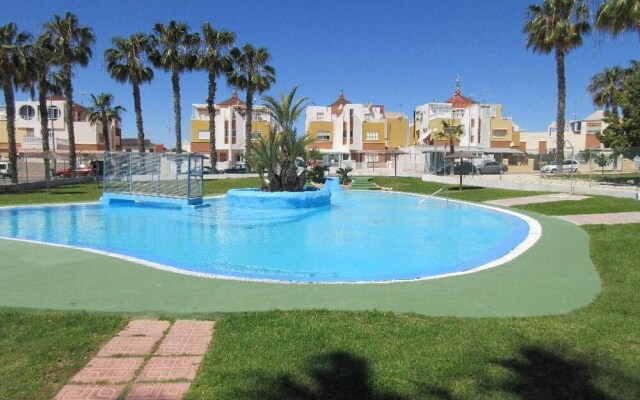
pixel 144 363
pixel 537 182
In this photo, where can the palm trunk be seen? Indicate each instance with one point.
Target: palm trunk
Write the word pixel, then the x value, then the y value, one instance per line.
pixel 105 134
pixel 138 109
pixel 212 121
pixel 68 94
pixel 561 106
pixel 9 100
pixel 44 122
pixel 247 125
pixel 175 82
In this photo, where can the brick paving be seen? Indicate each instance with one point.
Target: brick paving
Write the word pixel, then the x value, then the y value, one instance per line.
pixel 604 219
pixel 121 363
pixel 544 198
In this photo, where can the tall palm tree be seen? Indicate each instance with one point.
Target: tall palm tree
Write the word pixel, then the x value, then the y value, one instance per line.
pixel 604 87
pixel 557 25
pixel 175 51
pixel 103 111
pixel 72 46
pixel 451 132
pixel 618 16
pixel 126 62
pixel 14 50
pixel 251 72
pixel 43 74
pixel 214 60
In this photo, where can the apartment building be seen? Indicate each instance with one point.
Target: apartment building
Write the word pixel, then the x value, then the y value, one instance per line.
pixel 350 133
pixel 483 125
pixel 230 119
pixel 88 137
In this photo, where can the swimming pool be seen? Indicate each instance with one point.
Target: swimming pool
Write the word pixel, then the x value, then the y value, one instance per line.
pixel 362 237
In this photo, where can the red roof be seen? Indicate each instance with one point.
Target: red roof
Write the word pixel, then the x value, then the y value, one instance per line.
pixel 232 101
pixel 458 100
pixel 336 106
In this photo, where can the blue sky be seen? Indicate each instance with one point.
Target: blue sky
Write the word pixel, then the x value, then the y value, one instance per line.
pixel 397 53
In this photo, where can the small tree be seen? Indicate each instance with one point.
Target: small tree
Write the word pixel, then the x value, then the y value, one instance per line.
pixel 343 175
pixel 602 160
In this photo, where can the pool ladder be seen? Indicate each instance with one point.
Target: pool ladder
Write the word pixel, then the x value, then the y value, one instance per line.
pixel 434 193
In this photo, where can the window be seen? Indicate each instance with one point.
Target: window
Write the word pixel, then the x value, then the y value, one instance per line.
pixel 594 127
pixel 372 158
pixel 371 136
pixel 54 112
pixel 256 134
pixel 499 133
pixel 233 133
pixel 323 135
pixel 320 115
pixel 27 112
pixel 203 135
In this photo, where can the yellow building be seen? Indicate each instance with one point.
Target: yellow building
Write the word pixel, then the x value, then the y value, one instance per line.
pixel 355 132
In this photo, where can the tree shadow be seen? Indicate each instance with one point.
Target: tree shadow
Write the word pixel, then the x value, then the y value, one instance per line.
pixel 335 375
pixel 542 374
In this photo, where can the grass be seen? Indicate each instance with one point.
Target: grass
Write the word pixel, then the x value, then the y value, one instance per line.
pixel 39 352
pixel 592 353
pixel 592 205
pixel 469 193
pixel 92 192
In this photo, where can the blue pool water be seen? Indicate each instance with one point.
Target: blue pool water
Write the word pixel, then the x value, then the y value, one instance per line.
pixel 361 236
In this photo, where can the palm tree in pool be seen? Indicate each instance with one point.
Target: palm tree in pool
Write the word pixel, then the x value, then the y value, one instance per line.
pixel 251 72
pixel 213 59
pixel 618 16
pixel 103 111
pixel 175 51
pixel 126 62
pixel 604 87
pixel 14 49
pixel 558 26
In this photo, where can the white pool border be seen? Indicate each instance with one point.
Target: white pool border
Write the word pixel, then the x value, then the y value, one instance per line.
pixel 535 233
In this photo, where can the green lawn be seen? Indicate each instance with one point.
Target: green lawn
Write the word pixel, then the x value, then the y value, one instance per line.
pixel 592 205
pixel 591 353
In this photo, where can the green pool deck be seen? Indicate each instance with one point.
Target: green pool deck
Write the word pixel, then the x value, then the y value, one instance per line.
pixel 555 276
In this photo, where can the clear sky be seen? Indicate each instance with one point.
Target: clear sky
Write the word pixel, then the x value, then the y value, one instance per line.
pixel 397 53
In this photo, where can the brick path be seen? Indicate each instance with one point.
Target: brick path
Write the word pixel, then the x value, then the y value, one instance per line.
pixel 544 198
pixel 144 363
pixel 604 219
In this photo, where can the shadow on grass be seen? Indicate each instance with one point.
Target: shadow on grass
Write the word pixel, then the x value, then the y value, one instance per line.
pixel 335 375
pixel 541 374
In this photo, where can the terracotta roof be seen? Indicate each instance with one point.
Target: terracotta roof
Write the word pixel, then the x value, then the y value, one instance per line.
pixel 336 106
pixel 458 100
pixel 232 101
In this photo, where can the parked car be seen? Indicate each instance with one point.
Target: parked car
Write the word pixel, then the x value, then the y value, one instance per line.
pixel 81 170
pixel 4 169
pixel 567 166
pixel 492 167
pixel 236 169
pixel 465 168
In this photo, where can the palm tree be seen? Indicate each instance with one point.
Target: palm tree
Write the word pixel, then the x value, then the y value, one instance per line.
pixel 72 46
pixel 284 114
pixel 618 16
pixel 251 72
pixel 175 52
pixel 451 132
pixel 44 76
pixel 557 25
pixel 14 51
pixel 102 110
pixel 214 60
pixel 604 87
pixel 126 63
